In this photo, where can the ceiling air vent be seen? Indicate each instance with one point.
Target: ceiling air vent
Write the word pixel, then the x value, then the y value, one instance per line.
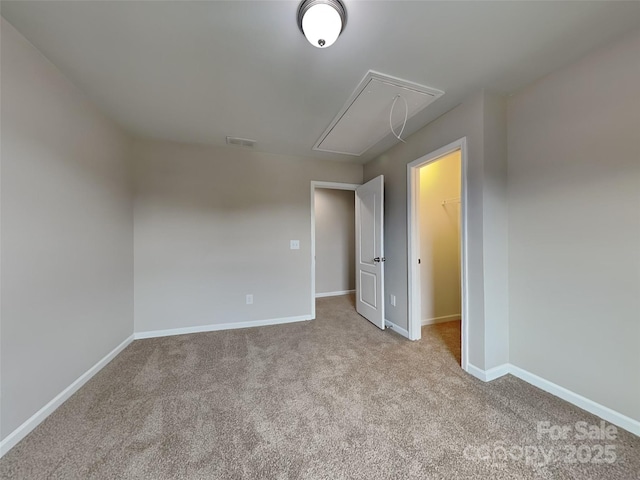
pixel 364 120
pixel 241 142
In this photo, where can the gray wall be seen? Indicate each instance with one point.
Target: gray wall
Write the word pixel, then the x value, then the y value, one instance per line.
pixel 574 227
pixel 481 119
pixel 214 224
pixel 67 233
pixel 495 231
pixel 335 240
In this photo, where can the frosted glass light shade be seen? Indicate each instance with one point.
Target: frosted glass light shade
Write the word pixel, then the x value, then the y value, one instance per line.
pixel 321 21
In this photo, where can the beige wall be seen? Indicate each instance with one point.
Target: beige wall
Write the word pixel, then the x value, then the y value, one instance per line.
pixel 67 233
pixel 335 240
pixel 440 239
pixel 574 227
pixel 214 224
pixel 481 119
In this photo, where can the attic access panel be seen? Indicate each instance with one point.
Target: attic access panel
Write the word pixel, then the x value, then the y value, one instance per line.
pixel 364 119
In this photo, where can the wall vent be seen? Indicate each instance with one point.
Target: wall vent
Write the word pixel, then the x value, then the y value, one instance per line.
pixel 241 142
pixel 364 120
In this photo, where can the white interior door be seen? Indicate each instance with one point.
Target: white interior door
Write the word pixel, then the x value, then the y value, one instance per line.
pixel 370 251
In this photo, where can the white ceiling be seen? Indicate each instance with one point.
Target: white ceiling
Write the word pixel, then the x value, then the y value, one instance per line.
pixel 198 71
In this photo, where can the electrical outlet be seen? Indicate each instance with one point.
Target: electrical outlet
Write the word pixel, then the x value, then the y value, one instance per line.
pixel 249 299
pixel 295 245
pixel 393 300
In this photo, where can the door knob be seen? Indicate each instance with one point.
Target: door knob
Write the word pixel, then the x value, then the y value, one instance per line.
pixel 378 259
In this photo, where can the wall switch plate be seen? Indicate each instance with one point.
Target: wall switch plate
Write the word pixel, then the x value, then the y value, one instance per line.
pixel 393 300
pixel 295 245
pixel 249 299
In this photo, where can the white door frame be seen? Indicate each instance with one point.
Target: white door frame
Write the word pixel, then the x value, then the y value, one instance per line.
pixel 413 239
pixel 331 186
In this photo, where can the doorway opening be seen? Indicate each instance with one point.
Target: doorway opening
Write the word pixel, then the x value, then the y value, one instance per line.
pixel 437 201
pixel 332 240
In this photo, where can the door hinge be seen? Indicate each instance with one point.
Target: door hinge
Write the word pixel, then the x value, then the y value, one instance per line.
pixel 418 261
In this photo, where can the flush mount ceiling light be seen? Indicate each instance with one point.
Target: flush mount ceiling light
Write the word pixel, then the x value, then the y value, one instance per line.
pixel 322 21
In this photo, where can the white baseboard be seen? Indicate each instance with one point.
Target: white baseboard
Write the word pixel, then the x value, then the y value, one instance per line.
pixel 488 375
pixel 220 326
pixel 23 430
pixel 445 318
pixel 590 406
pixel 396 328
pixel 576 399
pixel 334 294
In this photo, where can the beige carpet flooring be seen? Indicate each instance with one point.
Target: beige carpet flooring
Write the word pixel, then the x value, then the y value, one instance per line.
pixel 335 398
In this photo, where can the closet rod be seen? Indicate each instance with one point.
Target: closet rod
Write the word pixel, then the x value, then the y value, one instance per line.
pixel 451 200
